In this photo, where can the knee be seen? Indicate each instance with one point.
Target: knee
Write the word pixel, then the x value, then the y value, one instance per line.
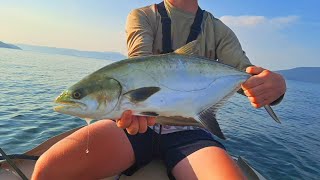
pixel 104 124
pixel 41 169
pixel 46 168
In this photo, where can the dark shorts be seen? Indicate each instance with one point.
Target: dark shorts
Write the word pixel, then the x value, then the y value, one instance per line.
pixel 171 148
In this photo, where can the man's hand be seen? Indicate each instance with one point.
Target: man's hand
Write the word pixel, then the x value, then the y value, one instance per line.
pixel 263 87
pixel 135 124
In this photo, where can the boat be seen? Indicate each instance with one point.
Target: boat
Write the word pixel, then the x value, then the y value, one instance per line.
pixel 20 166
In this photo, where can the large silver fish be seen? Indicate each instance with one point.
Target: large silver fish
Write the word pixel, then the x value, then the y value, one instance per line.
pixel 178 88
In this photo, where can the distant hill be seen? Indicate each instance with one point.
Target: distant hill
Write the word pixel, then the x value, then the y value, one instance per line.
pixel 305 74
pixel 73 52
pixel 10 46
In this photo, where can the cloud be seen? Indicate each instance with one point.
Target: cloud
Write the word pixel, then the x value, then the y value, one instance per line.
pixel 251 21
pixel 268 42
pixel 285 20
pixel 243 20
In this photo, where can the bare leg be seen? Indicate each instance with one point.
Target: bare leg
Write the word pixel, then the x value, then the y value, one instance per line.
pixel 110 153
pixel 207 163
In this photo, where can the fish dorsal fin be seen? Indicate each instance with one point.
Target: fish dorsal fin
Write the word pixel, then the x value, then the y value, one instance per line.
pixel 141 94
pixel 192 48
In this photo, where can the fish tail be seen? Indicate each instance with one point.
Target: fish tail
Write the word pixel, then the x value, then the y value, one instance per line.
pixel 272 113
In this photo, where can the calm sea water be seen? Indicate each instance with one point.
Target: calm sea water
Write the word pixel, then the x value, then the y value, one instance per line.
pixel 30 81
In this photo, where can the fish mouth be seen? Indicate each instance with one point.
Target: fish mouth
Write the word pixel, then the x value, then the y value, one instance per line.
pixel 68 105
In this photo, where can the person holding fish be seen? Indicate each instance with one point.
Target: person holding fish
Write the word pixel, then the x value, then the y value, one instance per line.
pixel 189 152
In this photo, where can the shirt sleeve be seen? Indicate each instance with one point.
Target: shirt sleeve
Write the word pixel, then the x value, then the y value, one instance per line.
pixel 139 34
pixel 228 47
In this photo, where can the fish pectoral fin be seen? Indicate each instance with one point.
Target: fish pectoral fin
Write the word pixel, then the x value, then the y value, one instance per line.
pixel 208 119
pixel 192 48
pixel 141 94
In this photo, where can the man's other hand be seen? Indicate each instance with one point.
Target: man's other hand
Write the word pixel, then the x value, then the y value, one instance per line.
pixel 264 87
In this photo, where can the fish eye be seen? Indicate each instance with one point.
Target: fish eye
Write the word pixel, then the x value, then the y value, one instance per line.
pixel 76 95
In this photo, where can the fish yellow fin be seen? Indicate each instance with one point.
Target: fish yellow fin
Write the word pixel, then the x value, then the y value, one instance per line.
pixel 192 48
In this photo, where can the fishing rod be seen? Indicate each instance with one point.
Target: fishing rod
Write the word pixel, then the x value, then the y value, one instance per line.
pixel 11 163
pixel 20 156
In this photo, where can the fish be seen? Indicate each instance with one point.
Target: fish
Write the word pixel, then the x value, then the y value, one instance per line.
pixel 178 88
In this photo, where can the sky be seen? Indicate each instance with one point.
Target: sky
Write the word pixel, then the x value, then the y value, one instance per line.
pixel 274 34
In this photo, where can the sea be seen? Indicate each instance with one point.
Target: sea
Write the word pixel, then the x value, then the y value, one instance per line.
pixel 30 81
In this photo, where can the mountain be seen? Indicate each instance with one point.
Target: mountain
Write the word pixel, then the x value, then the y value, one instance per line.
pixel 10 46
pixel 73 52
pixel 305 74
